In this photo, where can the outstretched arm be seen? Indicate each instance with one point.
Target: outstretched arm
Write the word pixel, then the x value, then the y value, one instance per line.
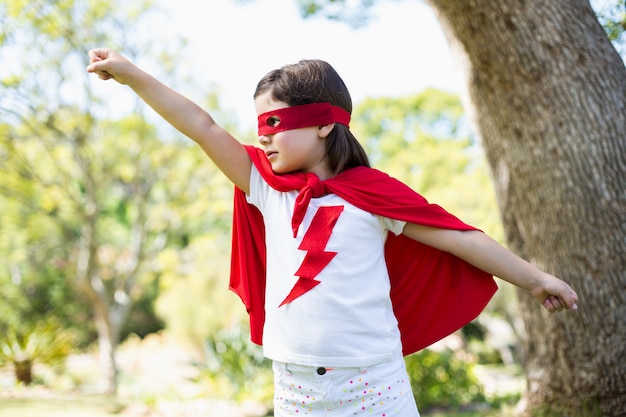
pixel 485 253
pixel 226 152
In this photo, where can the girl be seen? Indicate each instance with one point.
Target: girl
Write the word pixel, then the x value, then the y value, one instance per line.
pixel 333 297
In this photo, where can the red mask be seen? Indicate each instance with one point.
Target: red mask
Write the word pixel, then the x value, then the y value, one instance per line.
pixel 305 115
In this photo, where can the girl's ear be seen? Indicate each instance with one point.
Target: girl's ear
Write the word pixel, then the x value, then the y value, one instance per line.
pixel 324 131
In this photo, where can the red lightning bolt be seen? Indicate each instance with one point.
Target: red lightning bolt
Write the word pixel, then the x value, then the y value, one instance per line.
pixel 316 259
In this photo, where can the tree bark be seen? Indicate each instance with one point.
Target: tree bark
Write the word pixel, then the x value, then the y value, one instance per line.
pixel 547 94
pixel 108 340
pixel 24 371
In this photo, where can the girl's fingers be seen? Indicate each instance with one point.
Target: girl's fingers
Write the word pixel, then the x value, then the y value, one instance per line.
pixel 98 54
pixel 103 75
pixel 96 67
pixel 554 304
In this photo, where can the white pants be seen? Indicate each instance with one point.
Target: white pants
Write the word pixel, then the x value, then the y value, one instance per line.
pixel 382 390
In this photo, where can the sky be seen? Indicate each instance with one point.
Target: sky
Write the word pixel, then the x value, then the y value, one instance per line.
pixel 233 44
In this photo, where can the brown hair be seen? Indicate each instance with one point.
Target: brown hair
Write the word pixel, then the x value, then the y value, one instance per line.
pixel 315 81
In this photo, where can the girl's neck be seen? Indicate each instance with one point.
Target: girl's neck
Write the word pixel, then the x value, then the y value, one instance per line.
pixel 323 172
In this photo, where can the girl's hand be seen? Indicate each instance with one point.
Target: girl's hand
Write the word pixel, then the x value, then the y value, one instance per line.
pixel 554 294
pixel 107 64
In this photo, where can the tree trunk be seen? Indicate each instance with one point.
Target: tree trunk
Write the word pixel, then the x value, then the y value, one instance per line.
pixel 547 93
pixel 88 282
pixel 24 371
pixel 107 345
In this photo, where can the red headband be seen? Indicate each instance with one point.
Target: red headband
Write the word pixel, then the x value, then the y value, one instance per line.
pixel 305 115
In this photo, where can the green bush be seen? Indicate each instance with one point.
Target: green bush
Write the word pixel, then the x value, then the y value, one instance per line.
pixel 44 343
pixel 235 368
pixel 557 410
pixel 443 379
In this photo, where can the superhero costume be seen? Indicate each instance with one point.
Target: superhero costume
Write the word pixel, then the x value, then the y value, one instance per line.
pixel 434 293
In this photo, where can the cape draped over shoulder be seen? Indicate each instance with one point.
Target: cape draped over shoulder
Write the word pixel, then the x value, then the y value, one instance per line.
pixel 433 292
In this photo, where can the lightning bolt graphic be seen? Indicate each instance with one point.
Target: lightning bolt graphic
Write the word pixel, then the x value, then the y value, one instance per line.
pixel 316 259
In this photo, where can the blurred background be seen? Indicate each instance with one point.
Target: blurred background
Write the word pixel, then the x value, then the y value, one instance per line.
pixel 115 229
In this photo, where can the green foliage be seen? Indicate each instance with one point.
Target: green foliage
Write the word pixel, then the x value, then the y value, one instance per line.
pixel 612 16
pixel 193 288
pixel 559 410
pixel 354 13
pixel 142 318
pixel 235 368
pixel 485 353
pixel 443 378
pixel 91 199
pixel 424 141
pixel 44 343
pixel 33 285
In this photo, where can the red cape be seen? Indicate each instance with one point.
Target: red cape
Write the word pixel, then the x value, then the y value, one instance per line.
pixel 434 293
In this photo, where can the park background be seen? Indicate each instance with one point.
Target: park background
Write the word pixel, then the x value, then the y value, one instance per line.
pixel 90 173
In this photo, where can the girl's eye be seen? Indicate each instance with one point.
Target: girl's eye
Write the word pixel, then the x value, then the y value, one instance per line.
pixel 273 121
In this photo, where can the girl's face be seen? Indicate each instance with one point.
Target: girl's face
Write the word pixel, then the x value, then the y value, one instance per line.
pixel 294 150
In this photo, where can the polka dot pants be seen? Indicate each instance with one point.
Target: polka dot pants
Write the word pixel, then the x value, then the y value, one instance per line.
pixel 381 390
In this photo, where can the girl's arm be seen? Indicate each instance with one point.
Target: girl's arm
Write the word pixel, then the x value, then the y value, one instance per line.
pixel 226 152
pixel 485 253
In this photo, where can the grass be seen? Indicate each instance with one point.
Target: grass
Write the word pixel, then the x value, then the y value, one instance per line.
pixel 70 406
pixel 143 388
pixel 460 414
pixel 106 406
pixel 481 413
pixel 504 409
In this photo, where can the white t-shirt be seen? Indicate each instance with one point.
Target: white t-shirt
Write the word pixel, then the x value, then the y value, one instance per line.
pixel 347 319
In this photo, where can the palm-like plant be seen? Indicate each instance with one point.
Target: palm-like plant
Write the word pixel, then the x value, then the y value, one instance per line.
pixel 45 343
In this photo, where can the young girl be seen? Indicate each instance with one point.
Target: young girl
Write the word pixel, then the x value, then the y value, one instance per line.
pixel 333 297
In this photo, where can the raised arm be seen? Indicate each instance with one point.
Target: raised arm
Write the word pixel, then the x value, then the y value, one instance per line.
pixel 485 253
pixel 226 152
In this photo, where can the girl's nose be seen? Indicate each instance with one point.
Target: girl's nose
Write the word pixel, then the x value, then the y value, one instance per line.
pixel 264 140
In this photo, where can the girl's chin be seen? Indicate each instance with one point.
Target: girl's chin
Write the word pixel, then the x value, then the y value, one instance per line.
pixel 277 169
